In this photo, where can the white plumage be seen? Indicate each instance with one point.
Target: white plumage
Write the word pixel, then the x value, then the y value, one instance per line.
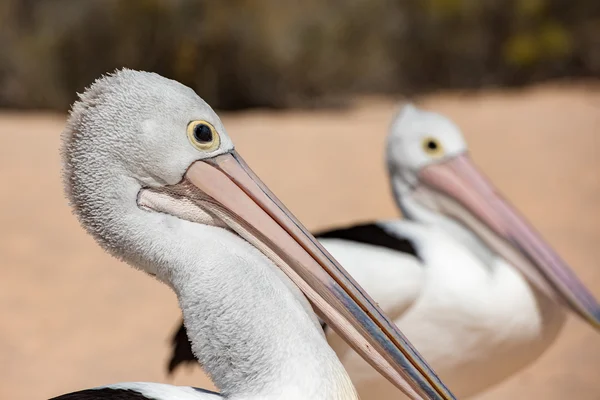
pixel 475 322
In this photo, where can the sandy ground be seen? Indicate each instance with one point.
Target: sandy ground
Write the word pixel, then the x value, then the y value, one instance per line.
pixel 72 317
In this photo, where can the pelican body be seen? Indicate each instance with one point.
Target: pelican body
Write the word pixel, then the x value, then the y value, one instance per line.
pixel 472 285
pixel 153 176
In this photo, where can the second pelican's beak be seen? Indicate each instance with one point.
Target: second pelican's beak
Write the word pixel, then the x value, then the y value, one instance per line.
pixel 460 191
pixel 226 188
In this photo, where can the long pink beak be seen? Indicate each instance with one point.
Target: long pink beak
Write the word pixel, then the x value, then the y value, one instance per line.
pixel 464 194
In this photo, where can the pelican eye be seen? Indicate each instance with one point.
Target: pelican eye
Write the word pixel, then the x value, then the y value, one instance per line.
pixel 203 135
pixel 433 147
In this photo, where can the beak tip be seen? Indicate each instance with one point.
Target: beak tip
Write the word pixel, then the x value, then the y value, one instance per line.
pixel 592 316
pixel 591 312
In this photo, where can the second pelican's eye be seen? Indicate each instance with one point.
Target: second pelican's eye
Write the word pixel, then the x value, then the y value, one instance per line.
pixel 433 147
pixel 203 135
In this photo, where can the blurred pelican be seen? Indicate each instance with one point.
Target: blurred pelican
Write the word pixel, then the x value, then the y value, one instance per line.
pixel 471 284
pixel 482 295
pixel 154 178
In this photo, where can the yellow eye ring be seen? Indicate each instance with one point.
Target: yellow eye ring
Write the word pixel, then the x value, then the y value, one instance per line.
pixel 203 135
pixel 433 147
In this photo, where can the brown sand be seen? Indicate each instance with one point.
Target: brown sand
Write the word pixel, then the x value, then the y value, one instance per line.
pixel 73 317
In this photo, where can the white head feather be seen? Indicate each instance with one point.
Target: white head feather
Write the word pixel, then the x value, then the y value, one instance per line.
pixel 411 132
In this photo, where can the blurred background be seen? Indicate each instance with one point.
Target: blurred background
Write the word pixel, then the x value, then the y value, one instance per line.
pixel 282 53
pixel 521 78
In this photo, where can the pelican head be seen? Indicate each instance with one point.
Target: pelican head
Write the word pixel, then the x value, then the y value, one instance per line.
pixel 147 163
pixel 131 134
pixel 432 175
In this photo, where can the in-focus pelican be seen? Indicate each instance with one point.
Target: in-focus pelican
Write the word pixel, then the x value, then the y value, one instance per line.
pixel 470 283
pixel 154 178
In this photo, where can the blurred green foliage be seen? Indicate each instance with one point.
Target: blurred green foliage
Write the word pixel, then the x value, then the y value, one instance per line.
pixel 281 53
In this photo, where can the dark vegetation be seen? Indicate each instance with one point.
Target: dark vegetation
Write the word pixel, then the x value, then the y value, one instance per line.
pixel 282 53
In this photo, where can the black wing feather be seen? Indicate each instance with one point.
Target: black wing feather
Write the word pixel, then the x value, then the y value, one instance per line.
pixel 182 350
pixel 373 234
pixel 103 394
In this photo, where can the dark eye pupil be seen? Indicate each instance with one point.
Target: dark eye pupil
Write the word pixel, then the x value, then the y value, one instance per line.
pixel 202 133
pixel 432 145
